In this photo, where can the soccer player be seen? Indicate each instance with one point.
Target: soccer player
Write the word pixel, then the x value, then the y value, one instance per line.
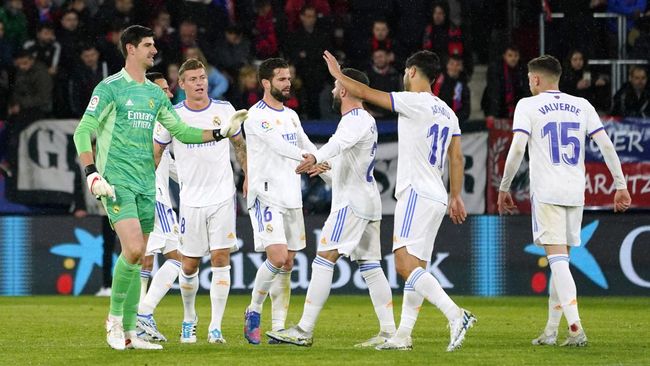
pixel 554 125
pixel 207 207
pixel 276 143
pixel 122 112
pixel 352 228
pixel 163 239
pixel 427 130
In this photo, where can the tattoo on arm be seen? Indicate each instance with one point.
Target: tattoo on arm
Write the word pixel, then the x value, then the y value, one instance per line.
pixel 240 152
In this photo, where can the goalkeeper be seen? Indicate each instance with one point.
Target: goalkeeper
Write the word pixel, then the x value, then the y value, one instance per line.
pixel 122 112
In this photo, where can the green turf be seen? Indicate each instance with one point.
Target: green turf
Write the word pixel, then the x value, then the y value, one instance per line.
pixel 69 330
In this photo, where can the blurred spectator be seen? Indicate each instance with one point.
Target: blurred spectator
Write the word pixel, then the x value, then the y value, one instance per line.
pixel 39 12
pixel 383 77
pixel 69 37
pixel 506 84
pixel 577 28
pixel 108 47
pixel 83 80
pixel 217 82
pixel 15 22
pixel 210 17
pixel 31 99
pixel 265 37
pixel 451 86
pixel 633 99
pixel 114 14
pixel 188 35
pixel 411 18
pixel 172 81
pixel 83 10
pixel 327 111
pixel 233 51
pixel 249 88
pixel 381 38
pixel 296 99
pixel 363 13
pixel 45 47
pixel 577 79
pixel 293 9
pixel 164 36
pixel 639 38
pixel 305 49
pixel 6 64
pixel 445 38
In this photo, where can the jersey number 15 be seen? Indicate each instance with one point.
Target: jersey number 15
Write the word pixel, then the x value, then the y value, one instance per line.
pixel 559 137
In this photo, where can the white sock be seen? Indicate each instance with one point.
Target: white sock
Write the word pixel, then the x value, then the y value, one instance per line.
pixel 565 287
pixel 130 334
pixel 410 310
pixel 280 294
pixel 554 309
pixel 318 291
pixel 380 294
pixel 263 281
pixel 189 287
pixel 219 290
pixel 426 285
pixel 160 284
pixel 145 275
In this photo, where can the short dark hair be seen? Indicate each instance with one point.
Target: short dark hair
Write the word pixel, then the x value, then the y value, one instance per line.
pixel 45 25
pixel 510 46
pixel 22 53
pixel 635 68
pixel 546 64
pixel 85 46
pixel 357 75
pixel 266 70
pixel 455 58
pixel 133 35
pixel 153 76
pixel 427 62
pixel 304 9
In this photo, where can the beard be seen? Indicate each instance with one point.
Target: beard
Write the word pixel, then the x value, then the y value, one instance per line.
pixel 279 95
pixel 336 104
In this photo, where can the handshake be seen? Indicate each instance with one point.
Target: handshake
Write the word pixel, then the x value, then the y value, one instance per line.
pixel 233 124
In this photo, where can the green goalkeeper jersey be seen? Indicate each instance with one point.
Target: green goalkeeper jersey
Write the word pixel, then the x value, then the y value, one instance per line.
pixel 123 113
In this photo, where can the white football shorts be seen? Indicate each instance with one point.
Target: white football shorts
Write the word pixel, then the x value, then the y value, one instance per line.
pixel 351 236
pixel 204 229
pixel 554 224
pixel 164 237
pixel 273 225
pixel 417 220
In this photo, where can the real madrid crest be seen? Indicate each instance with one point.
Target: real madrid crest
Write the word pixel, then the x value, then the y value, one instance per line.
pixel 217 121
pixel 151 103
pixel 269 228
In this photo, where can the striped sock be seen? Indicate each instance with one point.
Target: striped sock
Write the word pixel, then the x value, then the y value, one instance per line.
pixel 280 293
pixel 160 284
pixel 426 285
pixel 263 281
pixel 380 294
pixel 145 276
pixel 566 287
pixel 317 292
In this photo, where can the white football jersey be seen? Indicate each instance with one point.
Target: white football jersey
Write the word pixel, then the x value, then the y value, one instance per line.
pixel 557 124
pixel 275 142
pixel 205 174
pixel 351 152
pixel 425 126
pixel 162 178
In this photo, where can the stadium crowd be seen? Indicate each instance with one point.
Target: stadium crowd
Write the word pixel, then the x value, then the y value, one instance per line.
pixel 54 52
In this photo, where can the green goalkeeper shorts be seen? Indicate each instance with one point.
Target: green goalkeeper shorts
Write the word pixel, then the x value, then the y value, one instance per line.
pixel 130 205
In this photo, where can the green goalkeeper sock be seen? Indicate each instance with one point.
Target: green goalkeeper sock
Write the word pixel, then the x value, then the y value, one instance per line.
pixel 123 275
pixel 132 301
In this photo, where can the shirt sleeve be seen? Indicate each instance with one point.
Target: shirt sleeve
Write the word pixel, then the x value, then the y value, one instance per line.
pixel 521 121
pixel 168 117
pixel 161 135
pixel 347 134
pixel 455 125
pixel 594 124
pixel 99 106
pixel 399 103
pixel 264 130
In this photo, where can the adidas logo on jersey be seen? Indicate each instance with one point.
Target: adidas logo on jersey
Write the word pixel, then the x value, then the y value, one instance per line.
pixel 129 103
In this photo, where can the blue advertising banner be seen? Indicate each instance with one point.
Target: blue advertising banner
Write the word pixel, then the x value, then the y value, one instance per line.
pixel 631 139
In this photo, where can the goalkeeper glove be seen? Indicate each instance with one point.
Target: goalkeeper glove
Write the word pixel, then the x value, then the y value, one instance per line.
pixel 98 185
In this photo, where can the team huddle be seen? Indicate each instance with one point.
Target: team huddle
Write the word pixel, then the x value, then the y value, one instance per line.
pixel 139 132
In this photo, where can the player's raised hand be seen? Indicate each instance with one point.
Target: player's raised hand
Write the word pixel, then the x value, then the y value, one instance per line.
pixel 319 169
pixel 622 200
pixel 332 65
pixel 505 204
pixel 99 186
pixel 308 161
pixel 457 211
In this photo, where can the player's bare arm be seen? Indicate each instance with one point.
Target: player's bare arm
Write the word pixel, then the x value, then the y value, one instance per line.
pixel 239 144
pixel 457 211
pixel 622 199
pixel 374 96
pixel 505 204
pixel 158 150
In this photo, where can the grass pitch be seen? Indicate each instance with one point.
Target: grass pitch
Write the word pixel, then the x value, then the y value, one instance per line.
pixel 60 330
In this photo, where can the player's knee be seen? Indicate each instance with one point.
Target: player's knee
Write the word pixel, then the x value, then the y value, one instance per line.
pixel 220 259
pixel 403 269
pixel 190 268
pixel 278 260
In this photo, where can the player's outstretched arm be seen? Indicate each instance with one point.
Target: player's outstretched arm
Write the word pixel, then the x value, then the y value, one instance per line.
pixel 359 90
pixel 622 199
pixel 457 211
pixel 505 203
pixel 239 144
